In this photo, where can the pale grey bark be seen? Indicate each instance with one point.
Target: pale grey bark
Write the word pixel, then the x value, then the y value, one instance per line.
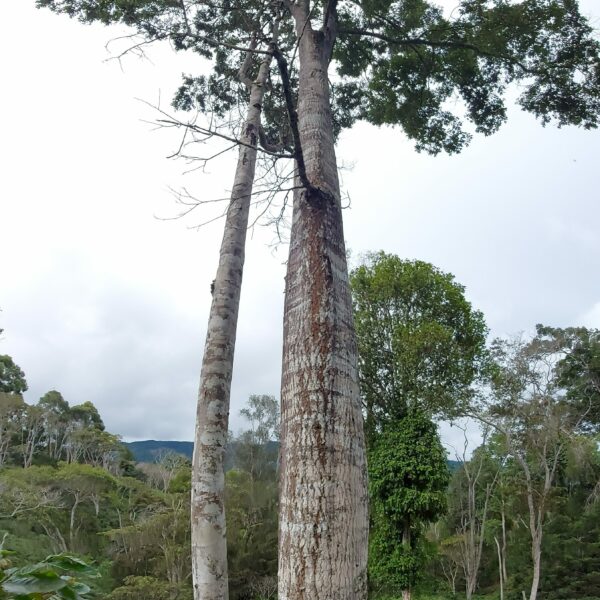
pixel 323 524
pixel 503 547
pixel 500 568
pixel 209 548
pixel 31 435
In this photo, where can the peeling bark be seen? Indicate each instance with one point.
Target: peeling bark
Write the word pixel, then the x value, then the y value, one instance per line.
pixel 209 546
pixel 323 524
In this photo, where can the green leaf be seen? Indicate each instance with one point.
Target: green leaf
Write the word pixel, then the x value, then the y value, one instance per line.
pixel 69 562
pixel 38 583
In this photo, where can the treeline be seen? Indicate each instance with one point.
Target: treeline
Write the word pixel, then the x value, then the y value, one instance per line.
pixel 68 486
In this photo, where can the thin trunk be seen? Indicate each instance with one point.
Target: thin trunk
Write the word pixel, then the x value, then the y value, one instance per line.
pixel 504 572
pixel 209 547
pixel 323 523
pixel 72 523
pixel 536 554
pixel 56 538
pixel 406 593
pixel 500 569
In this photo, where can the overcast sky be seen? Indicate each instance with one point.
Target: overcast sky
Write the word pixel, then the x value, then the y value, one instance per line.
pixel 104 302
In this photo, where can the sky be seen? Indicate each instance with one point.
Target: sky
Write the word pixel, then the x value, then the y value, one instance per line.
pixel 104 300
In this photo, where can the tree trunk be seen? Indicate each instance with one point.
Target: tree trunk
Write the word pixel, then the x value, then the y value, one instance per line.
pixel 209 546
pixel 504 572
pixel 500 570
pixel 536 554
pixel 406 593
pixel 72 523
pixel 323 525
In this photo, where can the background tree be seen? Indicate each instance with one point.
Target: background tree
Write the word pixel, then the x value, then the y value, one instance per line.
pixel 12 408
pixel 421 345
pixel 578 369
pixel 12 378
pixel 251 499
pixel 470 495
pixel 527 408
pixel 256 449
pixel 57 422
pixel 420 342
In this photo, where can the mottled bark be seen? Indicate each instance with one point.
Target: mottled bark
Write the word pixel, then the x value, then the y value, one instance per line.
pixel 323 523
pixel 209 547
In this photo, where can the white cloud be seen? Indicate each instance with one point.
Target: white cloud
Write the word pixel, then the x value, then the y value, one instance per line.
pixel 591 318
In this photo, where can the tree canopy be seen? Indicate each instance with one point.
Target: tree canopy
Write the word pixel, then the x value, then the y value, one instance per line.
pixel 399 62
pixel 12 378
pixel 420 342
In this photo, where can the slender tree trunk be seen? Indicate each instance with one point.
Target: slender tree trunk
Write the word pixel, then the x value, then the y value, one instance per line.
pixel 536 554
pixel 406 593
pixel 209 546
pixel 500 568
pixel 504 572
pixel 323 525
pixel 72 523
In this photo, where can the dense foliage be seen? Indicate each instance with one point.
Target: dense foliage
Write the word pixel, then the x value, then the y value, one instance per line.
pixel 398 62
pixel 420 343
pixel 408 477
pixel 68 486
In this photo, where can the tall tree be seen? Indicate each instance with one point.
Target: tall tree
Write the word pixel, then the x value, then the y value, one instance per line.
pixel 401 61
pixel 243 29
pixel 209 542
pixel 527 408
pixel 420 342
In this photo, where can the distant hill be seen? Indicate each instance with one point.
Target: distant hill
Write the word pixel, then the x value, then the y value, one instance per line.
pixel 453 465
pixel 148 451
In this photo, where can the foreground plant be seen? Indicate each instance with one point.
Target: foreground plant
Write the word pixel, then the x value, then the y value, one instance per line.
pixel 57 577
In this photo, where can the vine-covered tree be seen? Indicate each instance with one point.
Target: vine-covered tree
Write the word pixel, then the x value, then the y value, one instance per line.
pixel 421 345
pixel 408 477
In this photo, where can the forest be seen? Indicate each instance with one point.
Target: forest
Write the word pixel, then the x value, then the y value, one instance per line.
pixel 517 505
